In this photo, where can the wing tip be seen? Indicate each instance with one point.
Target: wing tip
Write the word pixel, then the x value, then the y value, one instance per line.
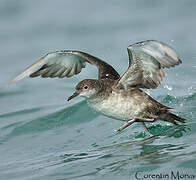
pixel 17 78
pixel 11 82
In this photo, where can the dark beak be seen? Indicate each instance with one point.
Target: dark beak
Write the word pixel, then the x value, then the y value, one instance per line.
pixel 73 96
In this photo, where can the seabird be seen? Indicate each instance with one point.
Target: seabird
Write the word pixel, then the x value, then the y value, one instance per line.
pixel 115 96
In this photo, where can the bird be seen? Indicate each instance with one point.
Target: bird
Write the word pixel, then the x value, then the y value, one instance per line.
pixel 115 96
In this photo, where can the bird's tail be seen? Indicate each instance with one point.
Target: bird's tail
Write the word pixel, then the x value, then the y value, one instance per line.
pixel 172 118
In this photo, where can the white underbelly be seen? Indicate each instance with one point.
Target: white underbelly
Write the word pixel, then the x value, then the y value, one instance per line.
pixel 116 107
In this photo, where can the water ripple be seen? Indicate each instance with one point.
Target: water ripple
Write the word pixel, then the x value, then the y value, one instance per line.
pixel 66 117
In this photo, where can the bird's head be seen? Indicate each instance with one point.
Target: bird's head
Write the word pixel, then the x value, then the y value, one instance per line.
pixel 87 88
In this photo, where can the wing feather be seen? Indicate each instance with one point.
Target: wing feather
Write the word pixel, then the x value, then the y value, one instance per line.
pixel 147 60
pixel 66 63
pixel 60 72
pixel 57 71
pixel 66 73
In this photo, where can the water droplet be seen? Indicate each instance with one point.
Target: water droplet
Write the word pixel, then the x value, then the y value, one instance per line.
pixel 168 87
pixel 148 92
pixel 190 90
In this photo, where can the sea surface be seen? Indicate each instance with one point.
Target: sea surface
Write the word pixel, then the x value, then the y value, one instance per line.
pixel 44 137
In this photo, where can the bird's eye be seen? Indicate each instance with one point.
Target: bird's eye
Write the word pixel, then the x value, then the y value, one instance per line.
pixel 85 87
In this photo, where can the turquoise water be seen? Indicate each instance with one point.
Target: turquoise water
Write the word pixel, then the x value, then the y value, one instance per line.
pixel 42 136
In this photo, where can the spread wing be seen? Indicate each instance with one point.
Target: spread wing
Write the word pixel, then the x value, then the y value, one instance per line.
pixel 66 64
pixel 146 62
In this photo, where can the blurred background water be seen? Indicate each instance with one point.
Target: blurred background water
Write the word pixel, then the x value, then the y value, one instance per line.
pixel 44 137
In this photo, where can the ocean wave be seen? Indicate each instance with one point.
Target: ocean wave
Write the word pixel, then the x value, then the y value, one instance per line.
pixel 73 115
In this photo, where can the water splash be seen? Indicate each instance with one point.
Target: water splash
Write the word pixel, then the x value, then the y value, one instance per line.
pixel 170 88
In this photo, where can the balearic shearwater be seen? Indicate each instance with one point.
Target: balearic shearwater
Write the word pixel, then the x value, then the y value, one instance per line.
pixel 115 96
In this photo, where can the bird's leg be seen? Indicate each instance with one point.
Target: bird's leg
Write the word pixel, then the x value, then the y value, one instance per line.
pixel 128 123
pixel 142 120
pixel 146 129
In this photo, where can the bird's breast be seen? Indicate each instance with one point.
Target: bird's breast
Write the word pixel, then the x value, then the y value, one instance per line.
pixel 116 105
